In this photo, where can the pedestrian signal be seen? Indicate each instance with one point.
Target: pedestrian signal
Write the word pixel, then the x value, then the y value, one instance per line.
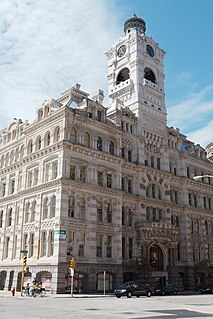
pixel 24 261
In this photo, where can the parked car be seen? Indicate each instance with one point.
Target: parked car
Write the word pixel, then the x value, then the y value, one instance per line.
pixel 168 289
pixel 135 288
pixel 207 290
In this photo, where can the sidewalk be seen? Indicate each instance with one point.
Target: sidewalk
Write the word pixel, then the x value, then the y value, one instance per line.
pixel 8 294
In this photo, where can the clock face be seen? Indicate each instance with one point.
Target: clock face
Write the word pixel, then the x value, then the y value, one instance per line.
pixel 121 51
pixel 150 50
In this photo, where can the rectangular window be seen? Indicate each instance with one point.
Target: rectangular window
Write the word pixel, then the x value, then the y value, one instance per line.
pixel 130 248
pixel 7 244
pixel 43 244
pixel 152 161
pixel 99 116
pixel 158 163
pixel 72 172
pixel 36 172
pixel 99 245
pixel 109 180
pixel 130 186
pixel 31 245
pixel 12 186
pixel 81 246
pixel 3 189
pixel 100 178
pixel 55 169
pixel 51 243
pixel 123 247
pixel 109 246
pixel 129 156
pixel 47 172
pixel 30 179
pixel 83 173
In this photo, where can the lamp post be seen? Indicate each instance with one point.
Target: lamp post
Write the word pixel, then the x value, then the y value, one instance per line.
pixel 201 176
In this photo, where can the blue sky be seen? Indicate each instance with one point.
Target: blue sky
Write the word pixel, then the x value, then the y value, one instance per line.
pixel 48 46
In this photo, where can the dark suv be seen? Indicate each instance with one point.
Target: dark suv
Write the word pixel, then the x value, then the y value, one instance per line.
pixel 135 288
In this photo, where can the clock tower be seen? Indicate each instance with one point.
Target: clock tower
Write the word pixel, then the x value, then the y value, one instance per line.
pixel 136 79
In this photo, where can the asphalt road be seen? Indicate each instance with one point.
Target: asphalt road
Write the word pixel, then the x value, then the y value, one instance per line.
pixel 55 307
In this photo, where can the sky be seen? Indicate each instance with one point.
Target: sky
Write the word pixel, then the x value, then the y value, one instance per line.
pixel 46 46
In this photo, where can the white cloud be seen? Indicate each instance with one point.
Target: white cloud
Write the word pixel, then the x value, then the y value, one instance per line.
pixel 193 115
pixel 48 46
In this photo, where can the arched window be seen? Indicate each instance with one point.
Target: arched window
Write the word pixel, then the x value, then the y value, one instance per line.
pixel 38 143
pixel 30 147
pixel 111 148
pixel 57 134
pixel 71 206
pixel 45 208
pixel 47 139
pixel 149 75
pixel 73 135
pixel 86 140
pixel 82 207
pixel 53 206
pixel 99 211
pixel 123 75
pixel 22 151
pixel 99 144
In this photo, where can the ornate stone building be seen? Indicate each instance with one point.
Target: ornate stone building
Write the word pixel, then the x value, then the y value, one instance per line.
pixel 107 185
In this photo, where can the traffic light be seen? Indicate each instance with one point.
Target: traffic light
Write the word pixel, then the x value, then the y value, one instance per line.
pixel 68 270
pixel 24 260
pixel 27 269
pixel 73 263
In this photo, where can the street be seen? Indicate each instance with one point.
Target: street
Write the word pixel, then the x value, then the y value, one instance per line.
pixel 104 307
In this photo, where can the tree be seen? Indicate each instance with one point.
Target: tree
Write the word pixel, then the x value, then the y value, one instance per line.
pixel 202 267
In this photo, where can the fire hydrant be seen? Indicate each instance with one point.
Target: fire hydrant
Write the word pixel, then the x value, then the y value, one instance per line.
pixel 13 291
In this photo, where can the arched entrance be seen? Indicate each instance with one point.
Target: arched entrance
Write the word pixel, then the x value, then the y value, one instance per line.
pixel 3 275
pixel 45 277
pixel 11 280
pixel 156 258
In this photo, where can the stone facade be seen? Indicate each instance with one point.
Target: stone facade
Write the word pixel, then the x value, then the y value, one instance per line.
pixel 109 186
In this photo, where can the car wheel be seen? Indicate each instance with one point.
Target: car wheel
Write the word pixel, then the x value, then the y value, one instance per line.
pixel 163 293
pixel 149 294
pixel 129 294
pixel 138 296
pixel 118 296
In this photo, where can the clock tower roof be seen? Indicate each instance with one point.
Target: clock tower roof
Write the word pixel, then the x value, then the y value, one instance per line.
pixel 135 23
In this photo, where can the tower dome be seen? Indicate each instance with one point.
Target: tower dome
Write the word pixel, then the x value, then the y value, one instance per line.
pixel 135 23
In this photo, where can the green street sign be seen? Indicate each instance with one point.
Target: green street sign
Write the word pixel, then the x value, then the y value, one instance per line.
pixel 24 251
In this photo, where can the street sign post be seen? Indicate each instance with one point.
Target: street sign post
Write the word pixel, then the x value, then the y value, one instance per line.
pixel 72 276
